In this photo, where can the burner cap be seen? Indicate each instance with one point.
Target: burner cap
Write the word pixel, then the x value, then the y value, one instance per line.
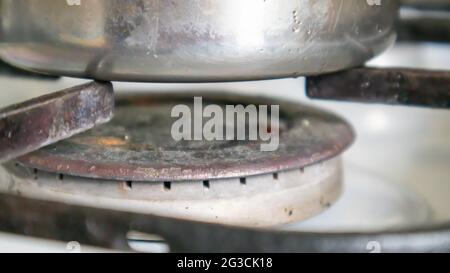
pixel 137 144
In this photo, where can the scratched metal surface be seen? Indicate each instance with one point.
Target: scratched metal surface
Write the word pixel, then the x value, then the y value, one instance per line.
pixel 206 40
pixel 33 124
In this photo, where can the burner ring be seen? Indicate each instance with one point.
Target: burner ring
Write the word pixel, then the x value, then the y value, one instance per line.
pixel 137 145
pixel 287 196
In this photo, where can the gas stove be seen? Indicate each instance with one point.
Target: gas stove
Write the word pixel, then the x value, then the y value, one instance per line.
pixel 346 176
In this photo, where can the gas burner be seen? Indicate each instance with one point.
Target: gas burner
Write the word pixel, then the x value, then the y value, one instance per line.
pixel 133 163
pixel 137 144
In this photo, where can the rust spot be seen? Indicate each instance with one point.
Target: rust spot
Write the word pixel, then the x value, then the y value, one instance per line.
pixel 111 141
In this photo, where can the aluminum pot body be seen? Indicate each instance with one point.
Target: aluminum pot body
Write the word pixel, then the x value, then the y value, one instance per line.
pixel 193 40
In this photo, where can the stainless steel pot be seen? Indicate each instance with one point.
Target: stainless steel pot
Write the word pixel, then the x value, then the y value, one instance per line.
pixel 193 40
